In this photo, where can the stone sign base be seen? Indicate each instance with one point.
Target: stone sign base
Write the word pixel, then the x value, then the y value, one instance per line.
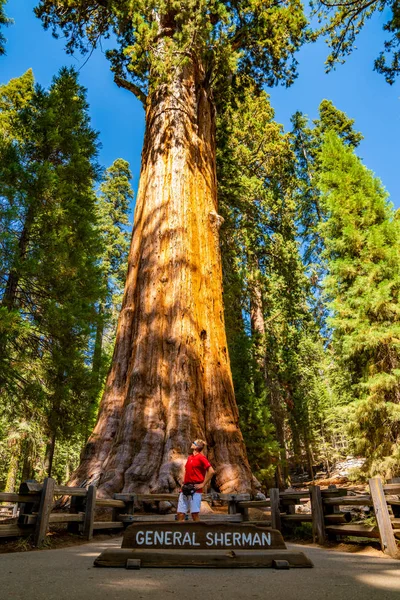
pixel 201 544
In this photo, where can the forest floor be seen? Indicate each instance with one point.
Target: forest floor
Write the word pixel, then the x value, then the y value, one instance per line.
pixel 66 573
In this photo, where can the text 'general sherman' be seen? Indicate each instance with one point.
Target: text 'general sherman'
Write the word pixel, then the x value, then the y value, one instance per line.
pixel 212 539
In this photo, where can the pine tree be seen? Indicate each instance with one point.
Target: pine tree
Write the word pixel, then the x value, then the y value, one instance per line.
pixel 362 240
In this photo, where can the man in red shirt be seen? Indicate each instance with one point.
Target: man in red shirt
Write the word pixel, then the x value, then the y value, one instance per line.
pixel 198 471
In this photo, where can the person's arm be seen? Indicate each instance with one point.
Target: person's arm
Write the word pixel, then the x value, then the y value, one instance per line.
pixel 209 474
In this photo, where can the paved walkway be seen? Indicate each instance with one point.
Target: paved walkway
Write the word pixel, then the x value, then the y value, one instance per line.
pixel 68 574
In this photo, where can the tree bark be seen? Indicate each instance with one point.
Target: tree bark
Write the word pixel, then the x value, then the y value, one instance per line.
pixel 10 292
pixel 170 380
pixel 12 473
pixel 258 330
pixel 49 454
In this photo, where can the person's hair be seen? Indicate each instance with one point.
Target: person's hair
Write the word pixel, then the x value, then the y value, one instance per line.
pixel 200 444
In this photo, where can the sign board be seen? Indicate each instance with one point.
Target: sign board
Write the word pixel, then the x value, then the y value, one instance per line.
pixel 203 545
pixel 201 536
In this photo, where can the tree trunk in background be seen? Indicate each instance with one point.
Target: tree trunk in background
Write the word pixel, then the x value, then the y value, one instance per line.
pixel 277 414
pixel 49 454
pixel 10 292
pixel 12 472
pixel 98 346
pixel 170 380
pixel 27 467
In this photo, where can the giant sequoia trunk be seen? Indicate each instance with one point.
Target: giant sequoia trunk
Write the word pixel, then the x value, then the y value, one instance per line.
pixel 170 380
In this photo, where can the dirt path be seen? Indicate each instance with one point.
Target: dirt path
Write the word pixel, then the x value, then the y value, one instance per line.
pixel 68 574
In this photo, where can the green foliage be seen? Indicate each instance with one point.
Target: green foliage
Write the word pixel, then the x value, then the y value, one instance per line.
pixel 3 21
pixel 155 40
pixel 271 333
pixel 112 208
pixel 362 241
pixel 49 248
pixel 306 144
pixel 343 21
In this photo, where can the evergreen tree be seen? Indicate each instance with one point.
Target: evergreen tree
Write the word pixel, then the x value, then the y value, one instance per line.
pixel 112 208
pixel 343 21
pixel 306 143
pixel 362 240
pixel 51 248
pixel 269 325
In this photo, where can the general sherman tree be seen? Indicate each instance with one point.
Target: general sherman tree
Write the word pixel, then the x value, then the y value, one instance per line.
pixel 170 379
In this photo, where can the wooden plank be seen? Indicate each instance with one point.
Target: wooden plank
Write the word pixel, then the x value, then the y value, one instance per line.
pixel 395 522
pixel 275 509
pixel 33 487
pixel 153 497
pixel 392 488
pixel 353 530
pixel 254 503
pixel 64 490
pixel 57 518
pixel 203 517
pixel 108 525
pixel 11 497
pixel 298 517
pixel 388 541
pixel 318 524
pixel 45 507
pixel 236 497
pixel 349 501
pixel 125 497
pixel 30 487
pixel 89 512
pixel 14 530
pixel 202 558
pixel 333 493
pixel 66 518
pixel 108 503
pixel 294 495
pixel 337 518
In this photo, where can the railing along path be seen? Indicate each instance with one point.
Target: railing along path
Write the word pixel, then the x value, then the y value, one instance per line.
pixel 329 514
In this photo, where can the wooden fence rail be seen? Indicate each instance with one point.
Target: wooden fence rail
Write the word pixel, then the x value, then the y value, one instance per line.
pixel 35 502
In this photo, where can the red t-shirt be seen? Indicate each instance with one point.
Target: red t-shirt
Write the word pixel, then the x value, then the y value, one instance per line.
pixel 195 469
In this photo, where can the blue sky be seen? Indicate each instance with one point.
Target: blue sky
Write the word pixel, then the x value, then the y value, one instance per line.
pixel 354 87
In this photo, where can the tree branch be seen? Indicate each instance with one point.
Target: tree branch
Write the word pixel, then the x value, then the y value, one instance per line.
pixel 131 87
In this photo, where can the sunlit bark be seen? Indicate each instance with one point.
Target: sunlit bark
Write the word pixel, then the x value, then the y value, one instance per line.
pixel 170 380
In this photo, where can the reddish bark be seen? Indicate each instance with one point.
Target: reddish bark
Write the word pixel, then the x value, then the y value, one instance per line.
pixel 170 380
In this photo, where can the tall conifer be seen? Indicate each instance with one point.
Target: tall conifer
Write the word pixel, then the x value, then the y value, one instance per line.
pixel 362 240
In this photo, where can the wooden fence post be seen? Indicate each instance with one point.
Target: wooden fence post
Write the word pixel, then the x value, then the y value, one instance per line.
pixel 232 505
pixel 89 512
pixel 275 509
pixel 77 505
pixel 317 509
pixel 45 506
pixel 388 541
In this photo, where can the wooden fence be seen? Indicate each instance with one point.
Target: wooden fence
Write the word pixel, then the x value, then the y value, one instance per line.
pixel 35 503
pixel 327 518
